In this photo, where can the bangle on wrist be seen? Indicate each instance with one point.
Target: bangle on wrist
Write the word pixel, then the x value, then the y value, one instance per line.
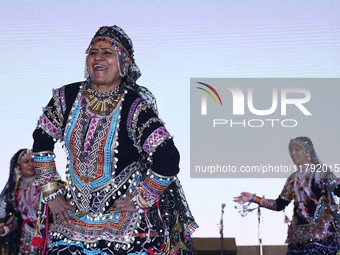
pixel 6 231
pixel 258 200
pixel 52 196
pixel 50 186
pixel 252 198
pixel 141 202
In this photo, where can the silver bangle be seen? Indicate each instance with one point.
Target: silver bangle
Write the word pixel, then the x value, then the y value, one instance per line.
pixel 6 230
pixel 52 196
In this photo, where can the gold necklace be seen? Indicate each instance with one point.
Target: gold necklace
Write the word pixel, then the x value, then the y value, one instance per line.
pixel 102 103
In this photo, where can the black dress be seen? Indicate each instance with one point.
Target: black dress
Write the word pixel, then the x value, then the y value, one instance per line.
pixel 117 146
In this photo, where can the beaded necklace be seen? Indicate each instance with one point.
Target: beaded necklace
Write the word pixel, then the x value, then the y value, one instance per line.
pixel 27 196
pixel 102 103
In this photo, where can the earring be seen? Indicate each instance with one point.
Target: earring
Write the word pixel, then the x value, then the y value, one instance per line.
pixel 124 71
pixel 17 171
pixel 123 64
pixel 86 73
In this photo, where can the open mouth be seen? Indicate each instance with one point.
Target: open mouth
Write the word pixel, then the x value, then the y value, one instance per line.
pixel 99 67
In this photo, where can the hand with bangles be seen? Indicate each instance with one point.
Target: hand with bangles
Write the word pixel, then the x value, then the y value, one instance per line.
pixel 59 207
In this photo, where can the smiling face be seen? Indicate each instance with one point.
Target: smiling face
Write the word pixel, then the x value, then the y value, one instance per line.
pixel 102 66
pixel 26 166
pixel 297 153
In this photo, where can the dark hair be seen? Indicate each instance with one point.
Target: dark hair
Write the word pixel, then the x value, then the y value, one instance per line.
pixel 12 178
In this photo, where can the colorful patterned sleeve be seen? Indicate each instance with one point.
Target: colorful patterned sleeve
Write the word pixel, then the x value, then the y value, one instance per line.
pixel 47 132
pixel 282 201
pixel 52 119
pixel 152 140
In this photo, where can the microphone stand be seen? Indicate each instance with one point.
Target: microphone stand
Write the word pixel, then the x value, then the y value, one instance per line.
pixel 245 210
pixel 259 229
pixel 221 230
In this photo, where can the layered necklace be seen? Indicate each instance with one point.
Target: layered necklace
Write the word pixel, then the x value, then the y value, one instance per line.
pixel 304 194
pixel 102 103
pixel 28 196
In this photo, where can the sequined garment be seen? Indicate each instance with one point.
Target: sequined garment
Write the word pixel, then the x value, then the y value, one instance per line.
pixel 327 246
pixel 116 146
pixel 315 218
pixel 9 215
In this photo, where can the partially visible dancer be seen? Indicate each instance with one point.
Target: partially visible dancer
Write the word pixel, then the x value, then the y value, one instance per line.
pixel 20 208
pixel 314 227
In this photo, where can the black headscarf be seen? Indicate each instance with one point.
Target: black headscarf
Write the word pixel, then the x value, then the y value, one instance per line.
pixel 125 52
